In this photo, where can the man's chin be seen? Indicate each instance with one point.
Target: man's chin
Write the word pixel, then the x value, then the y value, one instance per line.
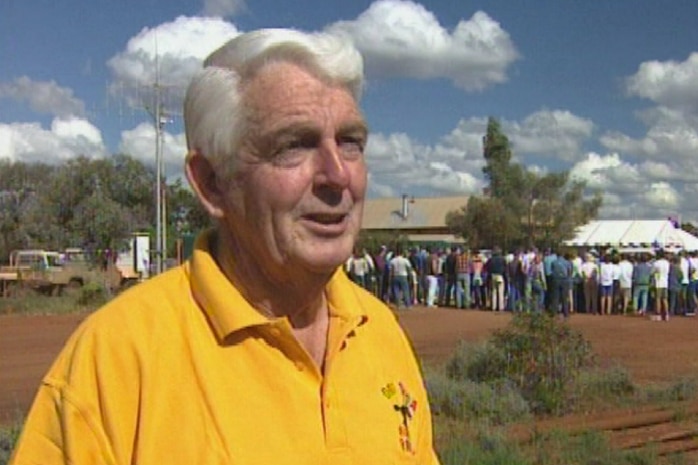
pixel 325 259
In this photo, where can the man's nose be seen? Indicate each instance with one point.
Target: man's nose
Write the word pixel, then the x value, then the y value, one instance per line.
pixel 331 166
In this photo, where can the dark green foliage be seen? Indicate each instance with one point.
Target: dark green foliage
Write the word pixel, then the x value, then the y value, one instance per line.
pixel 95 204
pixel 372 241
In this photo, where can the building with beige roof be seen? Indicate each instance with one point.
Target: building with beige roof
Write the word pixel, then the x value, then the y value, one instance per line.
pixel 421 219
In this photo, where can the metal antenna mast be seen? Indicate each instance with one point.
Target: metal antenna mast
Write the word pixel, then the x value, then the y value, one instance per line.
pixel 160 215
pixel 160 118
pixel 153 98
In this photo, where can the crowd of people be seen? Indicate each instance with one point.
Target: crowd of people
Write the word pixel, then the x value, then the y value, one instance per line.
pixel 654 282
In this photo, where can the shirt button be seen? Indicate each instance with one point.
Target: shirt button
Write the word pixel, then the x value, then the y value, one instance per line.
pixel 274 331
pixel 300 366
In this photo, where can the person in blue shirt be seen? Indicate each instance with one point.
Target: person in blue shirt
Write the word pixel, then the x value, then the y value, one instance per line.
pixel 548 258
pixel 561 280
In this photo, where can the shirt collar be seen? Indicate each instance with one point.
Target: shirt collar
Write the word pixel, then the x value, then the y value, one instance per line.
pixel 227 309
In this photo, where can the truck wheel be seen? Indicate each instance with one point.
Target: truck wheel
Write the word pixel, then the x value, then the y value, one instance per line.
pixel 56 290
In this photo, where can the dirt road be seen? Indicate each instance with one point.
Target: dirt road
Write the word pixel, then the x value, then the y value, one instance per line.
pixel 651 351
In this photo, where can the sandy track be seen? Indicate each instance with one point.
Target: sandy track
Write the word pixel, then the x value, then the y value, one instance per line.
pixel 651 351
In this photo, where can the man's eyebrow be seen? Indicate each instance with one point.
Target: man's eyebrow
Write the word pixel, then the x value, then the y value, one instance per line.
pixel 359 127
pixel 297 128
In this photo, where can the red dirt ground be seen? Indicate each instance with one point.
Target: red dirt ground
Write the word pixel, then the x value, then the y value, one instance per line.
pixel 653 352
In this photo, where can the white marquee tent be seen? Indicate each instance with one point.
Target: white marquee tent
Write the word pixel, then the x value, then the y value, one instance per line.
pixel 633 234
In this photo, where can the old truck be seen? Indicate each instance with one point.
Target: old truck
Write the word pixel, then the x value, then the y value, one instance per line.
pixel 51 272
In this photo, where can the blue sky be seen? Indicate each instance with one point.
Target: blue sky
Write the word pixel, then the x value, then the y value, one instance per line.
pixel 606 89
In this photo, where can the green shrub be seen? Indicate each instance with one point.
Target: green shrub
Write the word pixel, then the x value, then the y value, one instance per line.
pixel 486 450
pixel 35 303
pixel 538 353
pixel 543 358
pixel 8 438
pixel 595 388
pixel 476 362
pixel 681 390
pixel 92 294
pixel 590 447
pixel 495 403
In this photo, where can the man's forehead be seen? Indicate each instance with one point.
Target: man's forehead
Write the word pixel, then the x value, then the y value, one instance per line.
pixel 285 91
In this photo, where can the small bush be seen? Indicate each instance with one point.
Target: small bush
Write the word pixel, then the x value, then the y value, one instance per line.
pixel 92 294
pixel 543 358
pixel 476 362
pixel 595 388
pixel 538 353
pixel 8 438
pixel 34 304
pixel 590 447
pixel 683 389
pixel 486 450
pixel 493 404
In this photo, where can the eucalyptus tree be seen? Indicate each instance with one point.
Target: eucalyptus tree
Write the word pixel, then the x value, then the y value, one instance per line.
pixel 522 208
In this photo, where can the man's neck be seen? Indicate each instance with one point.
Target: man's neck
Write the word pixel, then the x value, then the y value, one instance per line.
pixel 275 291
pixel 297 295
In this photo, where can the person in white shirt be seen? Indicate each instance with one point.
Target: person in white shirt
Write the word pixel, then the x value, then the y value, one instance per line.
pixel 590 279
pixel 360 266
pixel 615 300
pixel 606 282
pixel 684 305
pixel 661 283
pixel 400 272
pixel 625 281
pixel 577 287
pixel 691 297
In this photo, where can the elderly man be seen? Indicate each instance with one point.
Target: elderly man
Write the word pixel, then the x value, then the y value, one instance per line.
pixel 259 350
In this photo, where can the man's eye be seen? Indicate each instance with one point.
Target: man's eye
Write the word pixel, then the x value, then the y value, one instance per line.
pixel 292 152
pixel 351 147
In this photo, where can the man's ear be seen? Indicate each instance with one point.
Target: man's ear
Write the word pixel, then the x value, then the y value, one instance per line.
pixel 202 179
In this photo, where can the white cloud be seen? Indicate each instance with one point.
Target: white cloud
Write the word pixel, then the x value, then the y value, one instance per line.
pixel 671 135
pixel 657 170
pixel 668 83
pixel 43 97
pixel 398 164
pixel 593 169
pixel 66 139
pixel 557 133
pixel 139 142
pixel 222 8
pixel 665 178
pixel 402 38
pixel 177 49
pixel 661 195
pixel 634 190
pixel 464 142
pixel 392 153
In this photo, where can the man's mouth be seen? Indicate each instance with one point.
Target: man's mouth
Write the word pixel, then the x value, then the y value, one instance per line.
pixel 326 218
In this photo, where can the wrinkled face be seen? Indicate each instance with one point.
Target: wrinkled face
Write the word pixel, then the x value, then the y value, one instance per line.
pixel 296 198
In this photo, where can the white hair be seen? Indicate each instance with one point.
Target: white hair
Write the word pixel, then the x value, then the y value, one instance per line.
pixel 214 110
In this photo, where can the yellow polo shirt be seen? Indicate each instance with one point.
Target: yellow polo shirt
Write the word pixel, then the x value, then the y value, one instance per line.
pixel 181 370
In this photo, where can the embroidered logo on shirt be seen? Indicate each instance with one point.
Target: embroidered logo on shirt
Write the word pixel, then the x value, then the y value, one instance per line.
pixel 405 408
